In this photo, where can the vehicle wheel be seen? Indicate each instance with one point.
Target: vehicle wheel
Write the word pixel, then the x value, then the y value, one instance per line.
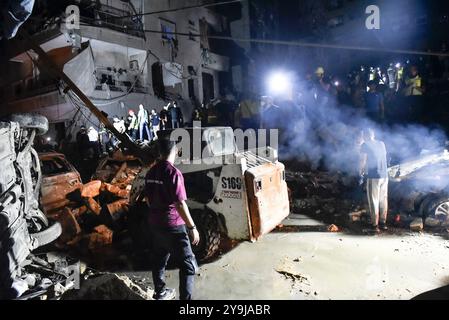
pixel 438 208
pixel 207 225
pixel 425 205
pixel 48 235
pixel 31 121
pixel 418 201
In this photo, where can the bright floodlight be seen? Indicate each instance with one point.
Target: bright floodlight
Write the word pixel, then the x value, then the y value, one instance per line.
pixel 279 83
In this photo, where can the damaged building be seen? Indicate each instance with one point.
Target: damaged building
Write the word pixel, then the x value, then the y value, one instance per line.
pixel 121 62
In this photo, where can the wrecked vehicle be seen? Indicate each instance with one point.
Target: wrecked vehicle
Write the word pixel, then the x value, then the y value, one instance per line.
pixel 421 186
pixel 111 169
pixel 59 180
pixel 23 226
pixel 242 195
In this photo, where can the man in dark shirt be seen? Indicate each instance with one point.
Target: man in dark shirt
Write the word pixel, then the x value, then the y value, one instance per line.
pixel 374 103
pixel 374 166
pixel 164 116
pixel 170 223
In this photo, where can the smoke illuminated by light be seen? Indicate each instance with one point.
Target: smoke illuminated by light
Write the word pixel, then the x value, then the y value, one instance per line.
pixel 279 83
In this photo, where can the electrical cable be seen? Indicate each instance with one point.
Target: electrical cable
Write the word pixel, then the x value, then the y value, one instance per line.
pixel 176 9
pixel 292 43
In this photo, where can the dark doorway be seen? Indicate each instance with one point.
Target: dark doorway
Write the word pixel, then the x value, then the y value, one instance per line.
pixel 158 80
pixel 208 87
pixel 191 85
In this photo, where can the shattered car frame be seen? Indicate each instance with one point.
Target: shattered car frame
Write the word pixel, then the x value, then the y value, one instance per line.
pixel 59 179
pixel 23 226
pixel 421 186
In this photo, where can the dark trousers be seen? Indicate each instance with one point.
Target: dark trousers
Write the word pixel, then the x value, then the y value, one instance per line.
pixel 143 126
pixel 173 242
pixel 175 124
pixel 133 134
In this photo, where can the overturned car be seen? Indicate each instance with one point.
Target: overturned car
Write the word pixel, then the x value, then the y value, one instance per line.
pixel 23 226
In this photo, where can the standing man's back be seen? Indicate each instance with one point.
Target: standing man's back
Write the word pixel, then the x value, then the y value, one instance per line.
pixel 170 224
pixel 374 166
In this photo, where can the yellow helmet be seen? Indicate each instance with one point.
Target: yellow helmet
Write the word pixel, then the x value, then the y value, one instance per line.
pixel 319 70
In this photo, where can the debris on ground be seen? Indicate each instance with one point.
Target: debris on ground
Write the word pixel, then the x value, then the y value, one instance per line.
pixel 432 222
pixel 326 196
pixel 48 276
pixel 290 269
pixel 333 228
pixel 109 287
pixel 417 225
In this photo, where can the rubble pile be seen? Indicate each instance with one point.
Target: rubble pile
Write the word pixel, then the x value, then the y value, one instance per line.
pixel 47 276
pixel 97 209
pixel 338 199
pixel 327 196
pixel 109 286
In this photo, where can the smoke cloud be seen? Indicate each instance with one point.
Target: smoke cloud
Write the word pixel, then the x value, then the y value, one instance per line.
pixel 328 135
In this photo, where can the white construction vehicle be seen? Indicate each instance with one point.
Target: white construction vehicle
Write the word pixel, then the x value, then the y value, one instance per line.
pixel 242 195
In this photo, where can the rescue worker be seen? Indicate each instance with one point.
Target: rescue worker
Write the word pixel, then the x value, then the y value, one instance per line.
pixel 374 103
pixel 196 115
pixel 133 124
pixel 82 141
pixel 94 141
pixel 164 116
pixel 322 88
pixel 175 116
pixel 155 123
pixel 170 223
pixel 413 83
pixel 271 117
pixel 413 93
pixel 142 118
pixel 374 168
pixel 248 112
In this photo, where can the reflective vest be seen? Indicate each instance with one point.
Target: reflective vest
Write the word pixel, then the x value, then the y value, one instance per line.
pixel 413 86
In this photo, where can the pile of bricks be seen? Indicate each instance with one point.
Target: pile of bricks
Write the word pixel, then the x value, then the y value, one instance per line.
pixel 100 210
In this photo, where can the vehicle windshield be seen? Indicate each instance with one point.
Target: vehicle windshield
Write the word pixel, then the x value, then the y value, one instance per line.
pixel 54 166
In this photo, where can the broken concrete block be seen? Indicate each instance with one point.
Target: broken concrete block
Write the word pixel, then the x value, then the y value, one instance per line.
pixel 117 209
pixel 91 189
pixel 417 225
pixel 113 189
pixel 355 216
pixel 120 173
pixel 432 222
pixel 123 194
pixel 78 212
pixel 93 206
pixel 102 236
pixel 70 227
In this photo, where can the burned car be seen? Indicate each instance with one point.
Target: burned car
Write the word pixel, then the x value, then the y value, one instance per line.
pixel 59 180
pixel 23 226
pixel 421 186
